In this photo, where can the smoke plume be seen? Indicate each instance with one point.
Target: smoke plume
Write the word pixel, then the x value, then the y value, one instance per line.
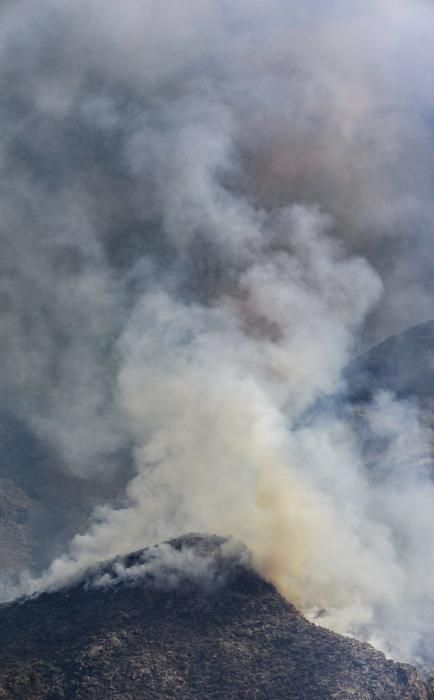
pixel 206 209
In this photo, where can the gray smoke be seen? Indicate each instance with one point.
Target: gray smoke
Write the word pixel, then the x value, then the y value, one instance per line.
pixel 206 209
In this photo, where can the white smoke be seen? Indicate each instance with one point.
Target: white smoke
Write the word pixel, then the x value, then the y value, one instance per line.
pixel 216 396
pixel 208 208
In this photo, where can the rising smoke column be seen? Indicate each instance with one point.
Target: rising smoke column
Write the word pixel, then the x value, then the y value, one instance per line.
pixel 204 210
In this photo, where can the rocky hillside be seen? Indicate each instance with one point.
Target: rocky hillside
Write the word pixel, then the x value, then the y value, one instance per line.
pixel 189 619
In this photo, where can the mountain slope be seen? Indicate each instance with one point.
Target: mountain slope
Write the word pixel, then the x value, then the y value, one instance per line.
pixel 151 626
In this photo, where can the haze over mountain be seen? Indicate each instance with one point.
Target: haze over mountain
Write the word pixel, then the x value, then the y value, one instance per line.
pixel 207 210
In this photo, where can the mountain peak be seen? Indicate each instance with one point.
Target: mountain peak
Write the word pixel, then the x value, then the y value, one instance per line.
pixel 194 560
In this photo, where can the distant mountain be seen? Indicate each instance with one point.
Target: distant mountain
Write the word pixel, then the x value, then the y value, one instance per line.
pixel 41 505
pixel 188 619
pixel 403 364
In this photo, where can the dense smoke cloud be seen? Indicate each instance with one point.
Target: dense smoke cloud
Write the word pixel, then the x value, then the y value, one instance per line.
pixel 206 209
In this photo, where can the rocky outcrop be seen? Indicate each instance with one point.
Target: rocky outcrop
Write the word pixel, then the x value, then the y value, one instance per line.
pixel 188 620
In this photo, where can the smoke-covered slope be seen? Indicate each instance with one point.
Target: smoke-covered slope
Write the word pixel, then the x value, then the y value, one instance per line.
pixel 187 620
